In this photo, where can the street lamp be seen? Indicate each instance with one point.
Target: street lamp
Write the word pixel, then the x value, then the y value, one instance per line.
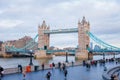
pixel 114 55
pixel 66 57
pixel 103 56
pixel 105 68
pixel 31 58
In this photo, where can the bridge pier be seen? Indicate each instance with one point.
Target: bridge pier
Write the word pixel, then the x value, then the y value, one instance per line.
pixel 41 54
pixel 83 56
pixel 83 40
pixel 43 42
pixel 5 55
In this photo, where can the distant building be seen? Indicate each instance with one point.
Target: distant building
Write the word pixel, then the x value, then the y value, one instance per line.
pixel 91 45
pixel 1 45
pixel 69 48
pixel 20 42
pixel 97 47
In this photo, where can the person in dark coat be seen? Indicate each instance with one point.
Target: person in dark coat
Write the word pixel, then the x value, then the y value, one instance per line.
pixel 43 66
pixel 1 71
pixel 59 65
pixel 53 64
pixel 48 75
pixel 65 72
pixel 19 68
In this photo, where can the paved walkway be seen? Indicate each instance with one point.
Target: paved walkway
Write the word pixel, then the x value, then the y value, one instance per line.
pixel 74 73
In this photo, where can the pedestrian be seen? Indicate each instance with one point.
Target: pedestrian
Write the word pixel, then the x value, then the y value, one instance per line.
pixel 1 71
pixel 112 77
pixel 105 68
pixel 59 65
pixel 63 66
pixel 84 63
pixel 116 77
pixel 48 75
pixel 53 65
pixel 19 68
pixel 24 74
pixel 72 63
pixel 65 73
pixel 43 66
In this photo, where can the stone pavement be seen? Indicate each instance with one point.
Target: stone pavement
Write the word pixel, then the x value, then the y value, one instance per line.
pixel 74 73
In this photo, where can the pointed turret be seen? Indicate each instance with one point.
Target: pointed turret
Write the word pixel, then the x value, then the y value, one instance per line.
pixel 88 23
pixel 78 21
pixel 83 20
pixel 38 25
pixel 43 24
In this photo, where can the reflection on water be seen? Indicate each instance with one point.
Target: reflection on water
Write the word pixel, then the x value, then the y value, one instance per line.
pixel 13 62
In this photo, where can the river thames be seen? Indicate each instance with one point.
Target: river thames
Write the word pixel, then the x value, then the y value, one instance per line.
pixel 13 62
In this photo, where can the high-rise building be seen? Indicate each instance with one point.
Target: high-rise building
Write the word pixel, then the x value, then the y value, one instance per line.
pixel 91 45
pixel 97 47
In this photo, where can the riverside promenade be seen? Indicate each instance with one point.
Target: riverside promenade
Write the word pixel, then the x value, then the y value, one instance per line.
pixel 76 72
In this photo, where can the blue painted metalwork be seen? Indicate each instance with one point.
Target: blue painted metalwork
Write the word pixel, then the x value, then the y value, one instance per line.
pixel 107 47
pixel 53 51
pixel 23 49
pixel 31 44
pixel 72 30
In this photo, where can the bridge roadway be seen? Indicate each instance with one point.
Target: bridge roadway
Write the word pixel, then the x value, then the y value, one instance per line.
pixel 74 73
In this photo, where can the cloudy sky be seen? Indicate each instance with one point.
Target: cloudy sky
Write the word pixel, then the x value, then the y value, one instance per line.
pixel 22 17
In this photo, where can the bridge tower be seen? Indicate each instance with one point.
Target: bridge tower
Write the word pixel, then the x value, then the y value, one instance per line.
pixel 83 39
pixel 43 41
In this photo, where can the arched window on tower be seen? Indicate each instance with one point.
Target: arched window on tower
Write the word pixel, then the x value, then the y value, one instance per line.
pixel 87 47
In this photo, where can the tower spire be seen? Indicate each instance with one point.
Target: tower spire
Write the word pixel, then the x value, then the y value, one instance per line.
pixel 83 20
pixel 78 21
pixel 43 24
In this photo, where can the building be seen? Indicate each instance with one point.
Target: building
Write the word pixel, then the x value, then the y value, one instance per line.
pixel 1 45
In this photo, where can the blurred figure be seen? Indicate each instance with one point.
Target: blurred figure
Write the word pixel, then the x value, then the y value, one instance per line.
pixel 48 75
pixel 1 71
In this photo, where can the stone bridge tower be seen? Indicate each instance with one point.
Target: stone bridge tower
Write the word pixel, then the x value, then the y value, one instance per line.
pixel 83 39
pixel 43 41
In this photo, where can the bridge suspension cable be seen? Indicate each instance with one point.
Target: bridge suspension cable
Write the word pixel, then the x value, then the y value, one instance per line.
pixel 27 46
pixel 104 44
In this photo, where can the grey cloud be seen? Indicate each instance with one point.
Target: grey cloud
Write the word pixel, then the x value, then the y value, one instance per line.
pixel 103 15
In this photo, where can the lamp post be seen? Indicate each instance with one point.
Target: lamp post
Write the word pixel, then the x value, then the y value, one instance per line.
pixel 66 57
pixel 31 58
pixel 105 68
pixel 103 56
pixel 114 55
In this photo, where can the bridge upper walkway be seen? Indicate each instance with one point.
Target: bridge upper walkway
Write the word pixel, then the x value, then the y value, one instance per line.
pixel 71 30
pixel 106 47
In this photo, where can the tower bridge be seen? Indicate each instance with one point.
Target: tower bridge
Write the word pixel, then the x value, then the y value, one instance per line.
pixel 83 39
pixel 81 52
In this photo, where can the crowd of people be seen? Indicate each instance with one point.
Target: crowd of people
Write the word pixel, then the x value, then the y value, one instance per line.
pixel 63 67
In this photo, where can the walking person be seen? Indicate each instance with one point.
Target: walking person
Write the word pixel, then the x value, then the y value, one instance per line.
pixel 43 66
pixel 48 75
pixel 53 65
pixel 65 73
pixel 19 68
pixel 24 74
pixel 59 65
pixel 63 66
pixel 72 63
pixel 1 71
